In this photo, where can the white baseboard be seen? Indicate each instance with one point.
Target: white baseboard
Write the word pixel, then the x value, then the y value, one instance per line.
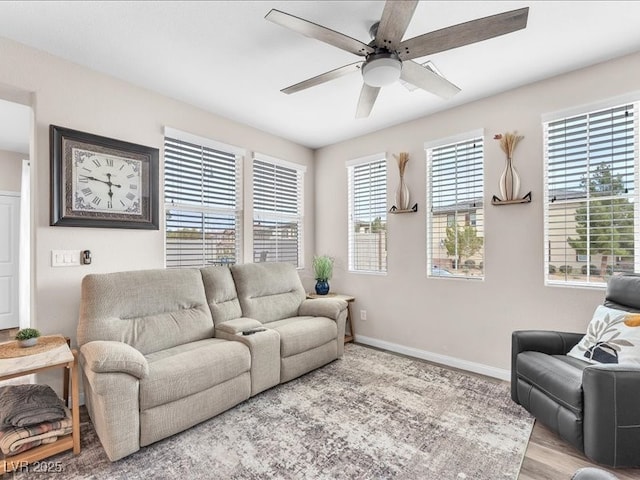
pixel 480 368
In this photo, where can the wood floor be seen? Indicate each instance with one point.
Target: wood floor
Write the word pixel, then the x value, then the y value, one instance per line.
pixel 550 458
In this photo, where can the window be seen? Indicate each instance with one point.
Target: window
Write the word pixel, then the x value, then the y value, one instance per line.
pixel 202 201
pixel 455 212
pixel 470 219
pixel 368 214
pixel 277 211
pixel 451 219
pixel 591 199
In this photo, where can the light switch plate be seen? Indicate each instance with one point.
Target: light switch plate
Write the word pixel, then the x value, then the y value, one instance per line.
pixel 65 258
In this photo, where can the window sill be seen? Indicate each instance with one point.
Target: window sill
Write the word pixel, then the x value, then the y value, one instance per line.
pixel 582 285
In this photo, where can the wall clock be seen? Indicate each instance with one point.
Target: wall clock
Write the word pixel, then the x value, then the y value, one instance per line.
pixel 102 182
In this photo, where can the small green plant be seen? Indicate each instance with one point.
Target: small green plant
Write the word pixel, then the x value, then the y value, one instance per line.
pixel 322 267
pixel 27 333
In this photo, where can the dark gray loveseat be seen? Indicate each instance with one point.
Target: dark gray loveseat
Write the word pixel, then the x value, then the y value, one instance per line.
pixel 596 408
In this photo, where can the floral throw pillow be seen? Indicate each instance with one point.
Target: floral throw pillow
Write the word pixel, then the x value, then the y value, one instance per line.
pixel 613 336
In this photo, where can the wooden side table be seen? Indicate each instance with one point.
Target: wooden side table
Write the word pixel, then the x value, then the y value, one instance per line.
pixel 60 356
pixel 349 324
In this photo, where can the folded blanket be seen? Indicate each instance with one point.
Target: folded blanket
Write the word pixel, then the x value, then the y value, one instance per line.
pixel 24 405
pixel 14 440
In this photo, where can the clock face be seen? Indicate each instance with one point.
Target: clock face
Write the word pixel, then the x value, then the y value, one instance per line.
pixel 106 183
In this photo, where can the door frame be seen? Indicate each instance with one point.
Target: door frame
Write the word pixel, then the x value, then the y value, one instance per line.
pixel 28 99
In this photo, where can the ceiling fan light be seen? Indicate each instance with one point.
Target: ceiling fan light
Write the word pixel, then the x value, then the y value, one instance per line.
pixel 381 72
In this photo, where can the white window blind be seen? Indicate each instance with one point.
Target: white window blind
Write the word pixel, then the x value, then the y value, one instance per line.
pixel 277 211
pixel 591 196
pixel 455 209
pixel 202 203
pixel 368 216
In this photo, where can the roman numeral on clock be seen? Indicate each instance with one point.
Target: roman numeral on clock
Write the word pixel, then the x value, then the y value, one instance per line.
pixel 87 191
pixel 130 196
pixel 96 200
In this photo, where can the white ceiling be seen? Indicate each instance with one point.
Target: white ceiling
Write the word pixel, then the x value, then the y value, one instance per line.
pixel 226 58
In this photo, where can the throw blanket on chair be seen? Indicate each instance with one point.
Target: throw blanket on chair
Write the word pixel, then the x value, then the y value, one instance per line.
pixel 14 440
pixel 24 405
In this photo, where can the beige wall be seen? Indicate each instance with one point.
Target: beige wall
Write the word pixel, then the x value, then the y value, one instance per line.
pixel 71 96
pixel 468 320
pixel 11 170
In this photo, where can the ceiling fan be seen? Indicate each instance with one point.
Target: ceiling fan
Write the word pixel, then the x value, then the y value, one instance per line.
pixel 388 58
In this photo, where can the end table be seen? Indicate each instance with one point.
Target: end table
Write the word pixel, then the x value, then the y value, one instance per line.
pixel 60 356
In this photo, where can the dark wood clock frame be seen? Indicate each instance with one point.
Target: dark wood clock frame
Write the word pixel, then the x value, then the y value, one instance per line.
pixel 62 140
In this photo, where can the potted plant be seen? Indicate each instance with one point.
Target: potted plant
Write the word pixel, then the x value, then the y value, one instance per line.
pixel 27 337
pixel 323 271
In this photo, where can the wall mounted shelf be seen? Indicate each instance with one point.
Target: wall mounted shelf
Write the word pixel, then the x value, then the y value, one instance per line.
pixel 413 209
pixel 526 199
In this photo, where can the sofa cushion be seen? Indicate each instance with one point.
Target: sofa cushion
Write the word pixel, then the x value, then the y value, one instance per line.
pixel 555 376
pixel 151 310
pixel 613 336
pixel 191 368
pixel 299 334
pixel 268 291
pixel 221 294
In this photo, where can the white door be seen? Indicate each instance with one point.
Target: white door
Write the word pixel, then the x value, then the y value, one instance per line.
pixel 9 236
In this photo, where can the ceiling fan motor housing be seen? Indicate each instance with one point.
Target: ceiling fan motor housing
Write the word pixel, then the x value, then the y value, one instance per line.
pixel 381 68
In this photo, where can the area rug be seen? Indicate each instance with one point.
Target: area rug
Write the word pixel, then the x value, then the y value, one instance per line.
pixel 370 415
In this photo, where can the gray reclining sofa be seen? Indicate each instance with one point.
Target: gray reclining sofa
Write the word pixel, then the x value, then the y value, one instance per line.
pixel 163 350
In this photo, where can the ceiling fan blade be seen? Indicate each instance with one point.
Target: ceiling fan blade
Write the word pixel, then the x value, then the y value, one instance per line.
pixel 394 22
pixel 325 77
pixel 463 34
pixel 428 80
pixel 324 34
pixel 368 97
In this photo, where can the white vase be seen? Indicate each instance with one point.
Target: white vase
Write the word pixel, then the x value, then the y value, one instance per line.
pixel 402 195
pixel 509 182
pixel 29 342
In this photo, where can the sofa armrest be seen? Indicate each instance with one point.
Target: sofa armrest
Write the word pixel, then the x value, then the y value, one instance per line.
pixel 237 325
pixel 549 342
pixel 102 356
pixel 544 341
pixel 611 415
pixel 322 307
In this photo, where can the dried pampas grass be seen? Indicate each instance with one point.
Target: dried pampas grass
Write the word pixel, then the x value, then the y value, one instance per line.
pixel 402 159
pixel 508 142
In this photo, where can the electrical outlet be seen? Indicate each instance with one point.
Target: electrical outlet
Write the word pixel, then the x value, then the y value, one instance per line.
pixel 363 315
